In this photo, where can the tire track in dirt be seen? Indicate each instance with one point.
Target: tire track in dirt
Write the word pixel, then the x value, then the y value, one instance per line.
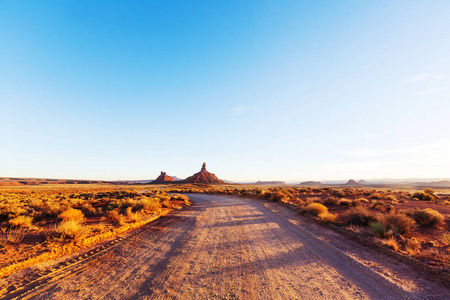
pixel 225 247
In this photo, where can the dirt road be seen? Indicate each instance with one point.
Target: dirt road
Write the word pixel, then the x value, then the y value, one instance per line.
pixel 225 247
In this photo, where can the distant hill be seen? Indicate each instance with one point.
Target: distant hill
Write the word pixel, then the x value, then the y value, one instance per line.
pixel 310 183
pixel 351 182
pixel 270 183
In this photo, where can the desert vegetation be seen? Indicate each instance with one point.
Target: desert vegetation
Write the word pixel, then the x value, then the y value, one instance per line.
pixel 41 223
pixel 412 223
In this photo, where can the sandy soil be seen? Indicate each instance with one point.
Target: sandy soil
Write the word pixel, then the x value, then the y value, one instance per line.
pixel 225 247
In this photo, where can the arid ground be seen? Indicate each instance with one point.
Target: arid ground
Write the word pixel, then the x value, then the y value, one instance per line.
pixel 225 247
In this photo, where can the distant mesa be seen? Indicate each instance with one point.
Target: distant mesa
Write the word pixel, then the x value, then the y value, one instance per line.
pixel 270 183
pixel 163 178
pixel 175 178
pixel 311 183
pixel 203 177
pixel 351 182
pixel 362 181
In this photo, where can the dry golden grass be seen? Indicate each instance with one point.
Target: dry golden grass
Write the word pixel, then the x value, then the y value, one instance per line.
pixel 316 209
pixel 34 209
pixel 345 202
pixel 391 243
pixel 360 216
pixel 332 200
pixel 327 217
pixel 72 214
pixel 115 217
pixel 427 217
pixel 363 200
pixel 21 221
pixel 13 236
pixel 398 223
pixel 446 238
pixel 71 229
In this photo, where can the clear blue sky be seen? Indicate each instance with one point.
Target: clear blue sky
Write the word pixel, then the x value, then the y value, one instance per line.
pixel 260 90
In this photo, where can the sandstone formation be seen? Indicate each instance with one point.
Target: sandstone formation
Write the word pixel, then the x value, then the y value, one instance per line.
pixel 203 177
pixel 163 178
pixel 351 182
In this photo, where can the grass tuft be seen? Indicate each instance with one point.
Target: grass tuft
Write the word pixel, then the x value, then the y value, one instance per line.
pixel 316 209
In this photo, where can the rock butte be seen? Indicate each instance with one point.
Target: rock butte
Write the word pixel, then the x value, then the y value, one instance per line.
pixel 163 178
pixel 203 177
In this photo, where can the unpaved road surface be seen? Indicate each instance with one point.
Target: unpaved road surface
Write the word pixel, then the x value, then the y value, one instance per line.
pixel 225 247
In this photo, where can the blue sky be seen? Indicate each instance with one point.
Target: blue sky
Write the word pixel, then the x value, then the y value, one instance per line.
pixel 260 90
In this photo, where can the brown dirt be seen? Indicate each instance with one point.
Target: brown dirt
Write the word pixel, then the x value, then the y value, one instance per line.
pixel 225 247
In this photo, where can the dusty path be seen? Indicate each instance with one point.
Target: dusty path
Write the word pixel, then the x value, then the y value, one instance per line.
pixel 225 247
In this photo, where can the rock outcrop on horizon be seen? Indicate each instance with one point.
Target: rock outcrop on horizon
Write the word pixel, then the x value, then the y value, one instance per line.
pixel 310 183
pixel 203 177
pixel 270 183
pixel 163 178
pixel 352 182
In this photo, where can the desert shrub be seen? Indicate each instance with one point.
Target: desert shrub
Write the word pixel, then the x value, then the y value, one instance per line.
pixel 345 202
pixel 379 229
pixel 391 243
pixel 21 221
pixel 355 228
pixel 422 196
pixel 446 238
pixel 71 229
pixel 360 216
pixel 131 216
pixel 116 218
pixel 316 209
pixel 429 191
pixel 363 200
pixel 72 215
pixel 427 217
pixel 399 223
pixel 349 191
pixel 151 206
pixel 376 196
pixel 327 217
pixel 12 236
pixel 313 199
pixel 166 203
pixel 356 202
pixel 278 196
pixel 339 193
pixel 378 205
pixel 330 200
pixel 389 208
pixel 88 208
pixel 391 198
pixel 412 246
pixel 181 198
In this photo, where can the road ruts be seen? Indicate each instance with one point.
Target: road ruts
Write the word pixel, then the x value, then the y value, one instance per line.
pixel 225 247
